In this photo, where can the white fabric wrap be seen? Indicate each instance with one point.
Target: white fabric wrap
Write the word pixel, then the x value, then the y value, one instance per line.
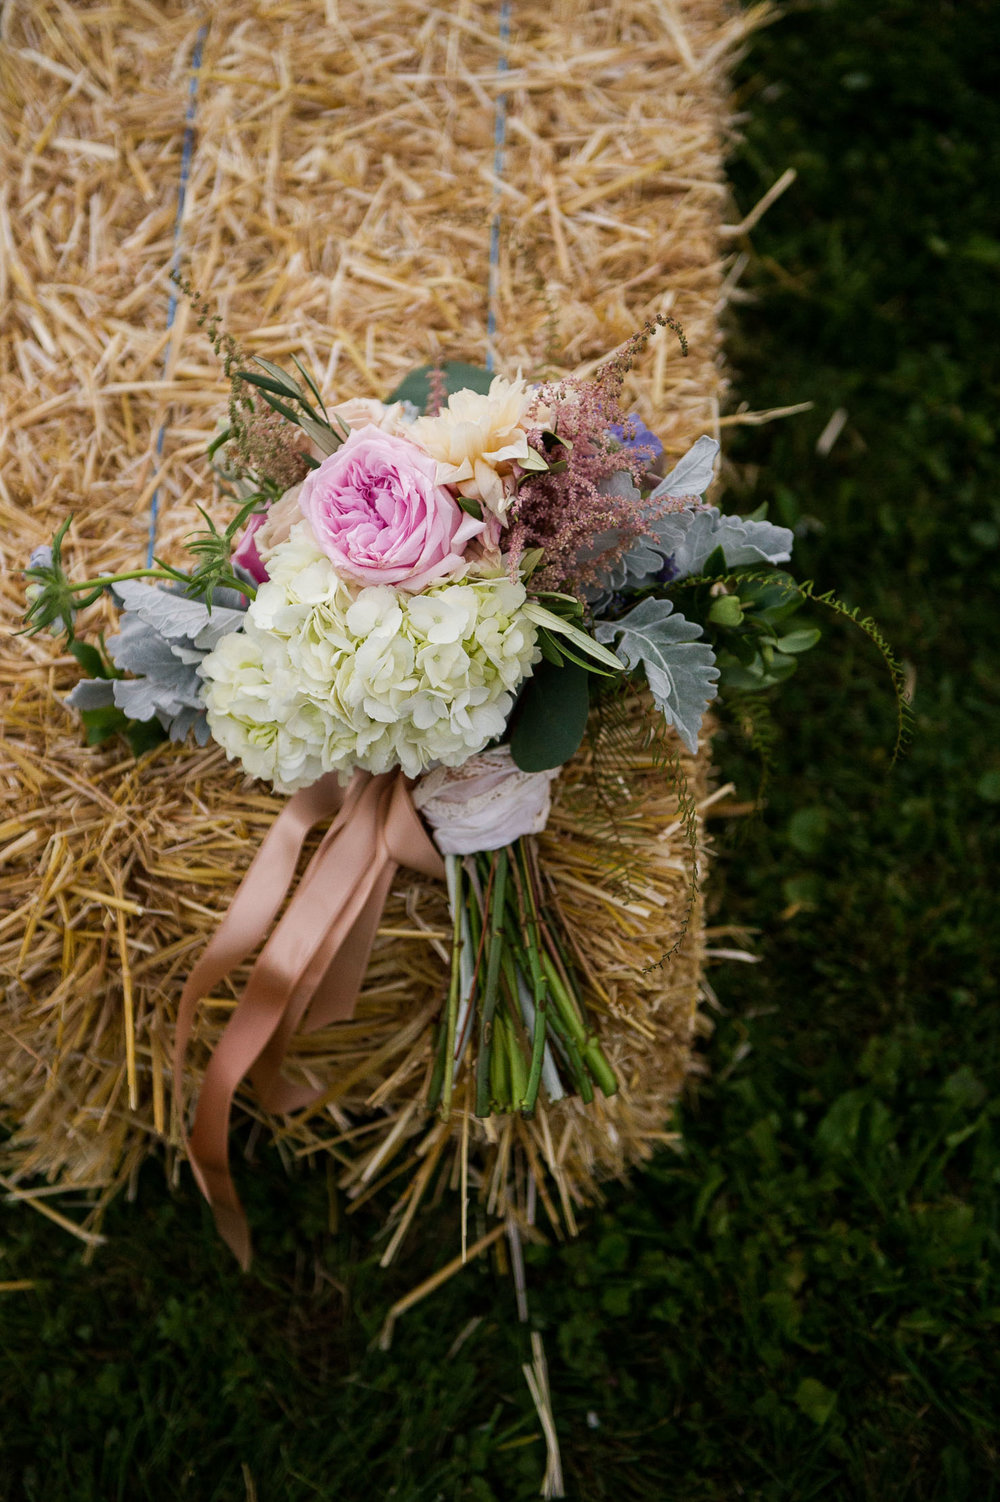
pixel 484 804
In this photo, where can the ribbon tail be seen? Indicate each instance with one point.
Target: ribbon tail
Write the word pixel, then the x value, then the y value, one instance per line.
pixel 309 972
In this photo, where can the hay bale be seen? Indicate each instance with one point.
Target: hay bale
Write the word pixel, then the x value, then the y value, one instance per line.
pixel 340 193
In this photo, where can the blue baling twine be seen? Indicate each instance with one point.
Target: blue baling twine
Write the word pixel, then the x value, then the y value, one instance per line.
pixel 499 137
pixel 187 150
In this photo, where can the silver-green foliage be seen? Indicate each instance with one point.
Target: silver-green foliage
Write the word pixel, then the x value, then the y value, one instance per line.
pixel 163 638
pixel 679 669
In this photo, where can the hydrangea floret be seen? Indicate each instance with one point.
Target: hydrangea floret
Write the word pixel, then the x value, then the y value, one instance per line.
pixel 325 677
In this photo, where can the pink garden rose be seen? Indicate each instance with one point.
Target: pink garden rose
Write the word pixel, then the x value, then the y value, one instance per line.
pixel 377 513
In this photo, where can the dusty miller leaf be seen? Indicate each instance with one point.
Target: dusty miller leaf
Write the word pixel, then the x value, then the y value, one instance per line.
pixel 92 693
pixel 691 475
pixel 645 559
pixel 164 636
pixel 679 669
pixel 688 537
pixel 174 616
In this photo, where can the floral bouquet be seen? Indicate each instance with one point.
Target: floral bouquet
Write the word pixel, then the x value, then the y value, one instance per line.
pixel 413 613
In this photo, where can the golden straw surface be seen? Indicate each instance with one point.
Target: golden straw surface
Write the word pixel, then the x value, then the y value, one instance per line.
pixel 339 202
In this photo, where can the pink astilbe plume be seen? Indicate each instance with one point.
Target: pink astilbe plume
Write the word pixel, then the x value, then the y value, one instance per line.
pixel 565 512
pixel 269 446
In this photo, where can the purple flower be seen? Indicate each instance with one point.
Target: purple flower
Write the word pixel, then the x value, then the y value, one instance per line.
pixel 641 441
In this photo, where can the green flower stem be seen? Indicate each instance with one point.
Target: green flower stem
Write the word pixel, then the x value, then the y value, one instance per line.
pixel 573 1059
pixel 597 1062
pixel 585 1041
pixel 105 579
pixel 529 928
pixel 453 868
pixel 437 1074
pixel 495 901
pixel 529 1096
pixel 593 1054
pixel 518 1068
pixel 499 1067
pixel 568 1014
pixel 516 1033
pixel 528 917
pixel 476 926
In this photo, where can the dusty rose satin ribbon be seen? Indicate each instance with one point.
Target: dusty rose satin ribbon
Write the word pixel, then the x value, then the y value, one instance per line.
pixel 310 970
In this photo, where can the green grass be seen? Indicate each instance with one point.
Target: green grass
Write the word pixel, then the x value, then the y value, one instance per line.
pixel 806 1304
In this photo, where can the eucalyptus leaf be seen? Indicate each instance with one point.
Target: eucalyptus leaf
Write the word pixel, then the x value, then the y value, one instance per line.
pixel 680 670
pixel 102 723
pixel 726 611
pixel 551 716
pixel 143 735
pixel 416 388
pixel 799 641
pixel 89 658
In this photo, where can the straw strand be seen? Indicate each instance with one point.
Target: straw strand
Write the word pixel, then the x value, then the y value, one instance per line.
pixel 187 151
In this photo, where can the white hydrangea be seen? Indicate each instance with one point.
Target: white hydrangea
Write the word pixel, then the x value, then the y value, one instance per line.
pixel 325 678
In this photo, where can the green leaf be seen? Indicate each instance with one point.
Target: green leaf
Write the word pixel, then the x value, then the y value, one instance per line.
pixel 988 786
pixel 309 382
pixel 558 652
pixel 964 1088
pixel 470 507
pixel 815 1401
pixel 286 382
pixel 143 735
pixel 416 388
pixel 807 829
pixel 283 410
pixel 549 621
pixel 726 611
pixel 535 462
pixel 265 383
pixel 550 652
pixel 90 659
pixel 799 641
pixel 551 717
pixel 322 436
pixel 101 724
